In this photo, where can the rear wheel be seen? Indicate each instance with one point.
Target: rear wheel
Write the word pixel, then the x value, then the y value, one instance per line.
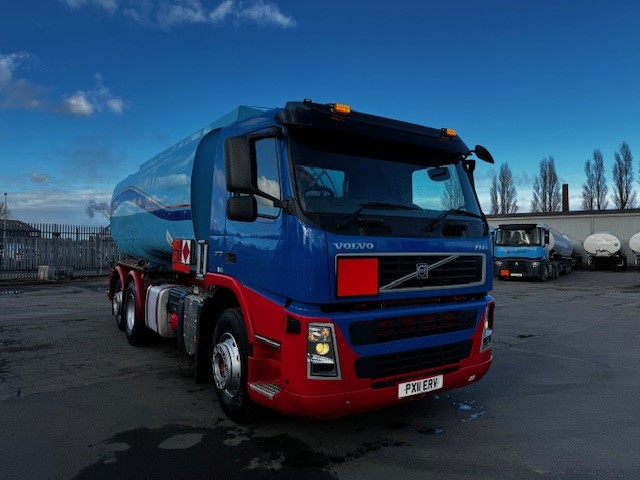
pixel 229 362
pixel 116 304
pixel 134 327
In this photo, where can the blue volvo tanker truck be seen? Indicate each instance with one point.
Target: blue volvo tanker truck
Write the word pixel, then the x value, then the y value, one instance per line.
pixel 310 259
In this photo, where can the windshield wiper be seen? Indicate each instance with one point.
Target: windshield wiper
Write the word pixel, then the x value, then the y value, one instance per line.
pixel 433 224
pixel 374 206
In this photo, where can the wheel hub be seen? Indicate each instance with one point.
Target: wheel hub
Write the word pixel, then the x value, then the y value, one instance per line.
pixel 116 303
pixel 131 313
pixel 227 366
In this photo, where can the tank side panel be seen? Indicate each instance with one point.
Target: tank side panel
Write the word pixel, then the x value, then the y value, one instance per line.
pixel 602 244
pixel 634 243
pixel 153 206
pixel 561 244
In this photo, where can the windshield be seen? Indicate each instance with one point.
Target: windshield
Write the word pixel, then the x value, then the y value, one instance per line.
pixel 521 236
pixel 348 182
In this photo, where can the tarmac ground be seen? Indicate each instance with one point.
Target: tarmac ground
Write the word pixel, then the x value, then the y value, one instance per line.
pixel 560 400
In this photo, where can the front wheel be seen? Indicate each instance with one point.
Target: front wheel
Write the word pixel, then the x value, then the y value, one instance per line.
pixel 229 362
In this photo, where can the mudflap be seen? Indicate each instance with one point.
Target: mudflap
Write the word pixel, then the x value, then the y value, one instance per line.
pixel 204 352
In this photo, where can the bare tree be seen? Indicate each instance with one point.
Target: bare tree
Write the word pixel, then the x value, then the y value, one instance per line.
pixel 494 195
pixel 102 208
pixel 546 188
pixel 5 212
pixel 453 196
pixel 503 192
pixel 623 194
pixel 594 190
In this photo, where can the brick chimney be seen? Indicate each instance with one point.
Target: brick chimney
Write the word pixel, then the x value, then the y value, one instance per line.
pixel 565 197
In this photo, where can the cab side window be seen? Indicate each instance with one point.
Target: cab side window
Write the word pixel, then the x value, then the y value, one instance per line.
pixel 268 176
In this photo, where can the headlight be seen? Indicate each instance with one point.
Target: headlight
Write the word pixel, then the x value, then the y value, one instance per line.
pixel 487 327
pixel 322 357
pixel 535 264
pixel 498 263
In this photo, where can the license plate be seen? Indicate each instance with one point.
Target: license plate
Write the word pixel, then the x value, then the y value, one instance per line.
pixel 516 274
pixel 408 389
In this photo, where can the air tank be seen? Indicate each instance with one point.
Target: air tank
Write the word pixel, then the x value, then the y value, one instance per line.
pixel 603 244
pixel 634 243
pixel 559 244
pixel 170 196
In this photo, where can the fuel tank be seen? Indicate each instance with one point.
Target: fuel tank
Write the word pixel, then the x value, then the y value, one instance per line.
pixel 603 244
pixel 559 244
pixel 170 195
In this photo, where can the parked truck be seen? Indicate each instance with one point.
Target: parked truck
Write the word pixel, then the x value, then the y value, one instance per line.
pixel 605 251
pixel 634 245
pixel 531 250
pixel 310 259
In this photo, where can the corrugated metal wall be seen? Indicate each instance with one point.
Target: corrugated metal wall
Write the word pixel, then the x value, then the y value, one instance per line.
pixel 579 225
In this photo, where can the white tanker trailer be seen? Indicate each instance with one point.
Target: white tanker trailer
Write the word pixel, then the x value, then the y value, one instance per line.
pixel 605 251
pixel 634 245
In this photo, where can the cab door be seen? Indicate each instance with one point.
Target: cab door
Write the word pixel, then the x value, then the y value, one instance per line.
pixel 254 251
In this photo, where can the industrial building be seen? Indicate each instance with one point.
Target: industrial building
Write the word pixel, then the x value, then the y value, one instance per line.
pixel 580 224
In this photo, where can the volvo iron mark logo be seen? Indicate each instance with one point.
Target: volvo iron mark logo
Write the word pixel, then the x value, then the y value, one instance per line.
pixel 422 270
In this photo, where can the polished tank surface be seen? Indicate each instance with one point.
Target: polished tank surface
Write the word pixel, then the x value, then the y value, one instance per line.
pixel 170 195
pixel 602 244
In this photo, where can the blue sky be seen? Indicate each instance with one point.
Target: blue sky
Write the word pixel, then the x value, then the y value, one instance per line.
pixel 89 89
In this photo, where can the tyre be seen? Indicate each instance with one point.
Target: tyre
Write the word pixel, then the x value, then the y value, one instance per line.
pixel 229 362
pixel 116 304
pixel 134 326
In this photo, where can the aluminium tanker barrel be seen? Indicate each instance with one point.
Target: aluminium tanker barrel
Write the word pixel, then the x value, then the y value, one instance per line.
pixel 169 196
pixel 559 244
pixel 603 244
pixel 634 242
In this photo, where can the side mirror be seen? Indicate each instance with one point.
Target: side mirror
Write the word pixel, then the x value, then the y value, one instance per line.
pixel 240 165
pixel 242 208
pixel 483 154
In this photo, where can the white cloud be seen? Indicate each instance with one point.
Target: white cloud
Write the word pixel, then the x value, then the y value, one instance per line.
pixel 171 13
pixel 21 93
pixel 108 5
pixel 77 104
pixel 9 63
pixel 183 12
pixel 61 205
pixel 116 105
pixel 221 12
pixel 264 13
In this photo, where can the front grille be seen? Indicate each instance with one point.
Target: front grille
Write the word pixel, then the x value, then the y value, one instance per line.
pixel 411 326
pixel 415 272
pixel 516 266
pixel 381 366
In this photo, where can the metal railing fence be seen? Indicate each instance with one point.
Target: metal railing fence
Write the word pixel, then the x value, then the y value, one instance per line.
pixel 70 250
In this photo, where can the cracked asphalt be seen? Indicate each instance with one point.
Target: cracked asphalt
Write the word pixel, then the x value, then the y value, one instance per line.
pixel 560 401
